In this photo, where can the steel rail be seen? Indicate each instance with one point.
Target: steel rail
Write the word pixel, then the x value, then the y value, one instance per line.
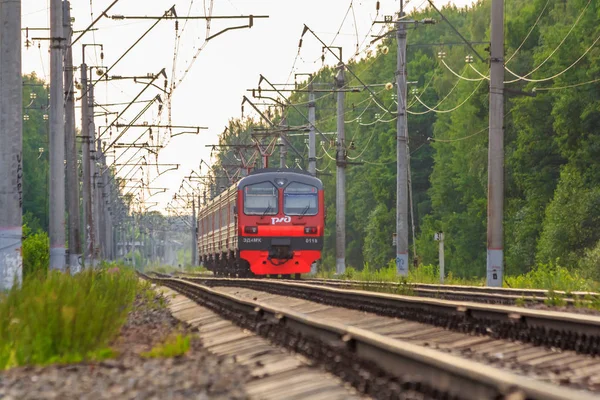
pixel 440 373
pixel 567 331
pixel 480 294
pixel 464 288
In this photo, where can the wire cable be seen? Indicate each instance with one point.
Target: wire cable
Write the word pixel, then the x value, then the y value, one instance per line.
pixel 460 76
pixel 326 153
pixel 567 86
pixel 438 104
pixel 479 73
pixel 366 146
pixel 523 78
pixel 528 34
pixel 553 51
pixel 465 137
pixel 445 111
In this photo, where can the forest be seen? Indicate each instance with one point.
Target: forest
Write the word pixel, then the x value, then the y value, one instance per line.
pixel 552 140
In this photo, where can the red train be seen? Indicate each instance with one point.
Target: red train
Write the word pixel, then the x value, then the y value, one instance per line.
pixel 270 223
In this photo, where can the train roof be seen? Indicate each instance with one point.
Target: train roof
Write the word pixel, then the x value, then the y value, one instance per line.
pixel 296 175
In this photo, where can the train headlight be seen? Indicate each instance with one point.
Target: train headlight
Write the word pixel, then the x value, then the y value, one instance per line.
pixel 280 182
pixel 310 230
pixel 251 229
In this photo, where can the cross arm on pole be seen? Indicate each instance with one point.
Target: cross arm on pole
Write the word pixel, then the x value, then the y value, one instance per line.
pixel 246 100
pixel 456 31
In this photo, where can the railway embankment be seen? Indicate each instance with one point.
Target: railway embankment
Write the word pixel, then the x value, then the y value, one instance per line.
pixel 105 334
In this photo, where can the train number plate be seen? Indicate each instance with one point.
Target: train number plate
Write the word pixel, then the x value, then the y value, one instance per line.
pixel 252 240
pixel 312 240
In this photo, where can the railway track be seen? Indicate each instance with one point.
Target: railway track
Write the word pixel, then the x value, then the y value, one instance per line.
pixel 565 331
pixel 378 364
pixel 488 295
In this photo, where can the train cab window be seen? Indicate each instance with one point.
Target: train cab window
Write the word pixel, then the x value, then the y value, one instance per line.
pixel 300 199
pixel 261 199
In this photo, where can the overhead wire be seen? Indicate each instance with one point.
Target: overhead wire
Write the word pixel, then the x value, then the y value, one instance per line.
pixel 465 137
pixel 366 146
pixel 444 111
pixel 528 33
pixel 461 76
pixel 523 78
pixel 553 51
pixel 567 86
pixel 438 104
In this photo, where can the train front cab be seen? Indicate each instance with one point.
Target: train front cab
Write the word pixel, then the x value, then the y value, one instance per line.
pixel 280 222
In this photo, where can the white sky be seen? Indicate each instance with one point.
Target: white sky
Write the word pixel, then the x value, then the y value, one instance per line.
pixel 212 90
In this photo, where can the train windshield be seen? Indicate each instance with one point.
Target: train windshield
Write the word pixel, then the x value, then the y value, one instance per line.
pixel 261 199
pixel 300 199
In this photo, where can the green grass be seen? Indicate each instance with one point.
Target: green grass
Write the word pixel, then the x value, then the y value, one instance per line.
pixel 174 346
pixel 58 318
pixel 550 277
pixel 151 298
pixel 423 274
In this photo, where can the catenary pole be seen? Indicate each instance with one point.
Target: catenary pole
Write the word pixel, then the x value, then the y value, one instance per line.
pixel 495 242
pixel 109 210
pixel 312 152
pixel 72 185
pixel 312 142
pixel 194 233
pixel 281 142
pixel 401 150
pixel 11 144
pixel 57 139
pixel 340 187
pixel 87 177
pixel 96 179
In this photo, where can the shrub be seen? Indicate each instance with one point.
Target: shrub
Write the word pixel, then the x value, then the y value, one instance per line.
pixel 55 317
pixel 590 263
pixel 551 277
pixel 36 252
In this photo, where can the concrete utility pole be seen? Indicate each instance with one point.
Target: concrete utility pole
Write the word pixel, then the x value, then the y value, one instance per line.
pixel 104 202
pixel 87 177
pixel 312 143
pixel 72 188
pixel 11 144
pixel 194 234
pixel 402 151
pixel 439 237
pixel 57 139
pixel 282 152
pixel 96 179
pixel 340 186
pixel 495 239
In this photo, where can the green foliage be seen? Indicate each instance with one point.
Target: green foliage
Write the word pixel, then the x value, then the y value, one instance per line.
pixel 572 219
pixel 57 318
pixel 590 263
pixel 552 277
pixel 554 299
pixel 378 236
pixel 36 252
pixel 174 346
pixel 552 142
pixel 151 298
pixel 35 163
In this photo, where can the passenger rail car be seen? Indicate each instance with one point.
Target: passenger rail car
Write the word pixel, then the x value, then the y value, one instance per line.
pixel 270 223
